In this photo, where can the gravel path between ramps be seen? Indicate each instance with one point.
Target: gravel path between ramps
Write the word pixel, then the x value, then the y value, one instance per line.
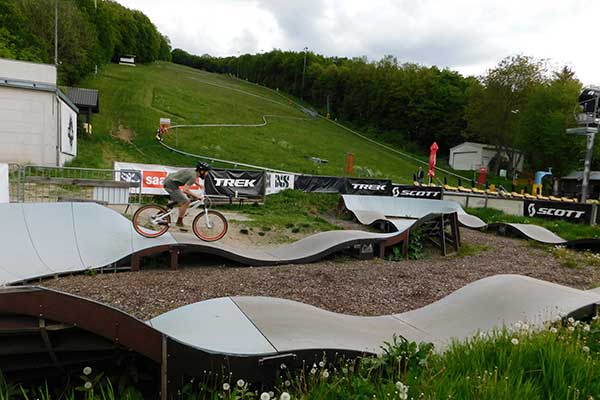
pixel 342 284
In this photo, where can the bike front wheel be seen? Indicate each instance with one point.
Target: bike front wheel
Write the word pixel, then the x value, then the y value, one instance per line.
pixel 151 221
pixel 210 226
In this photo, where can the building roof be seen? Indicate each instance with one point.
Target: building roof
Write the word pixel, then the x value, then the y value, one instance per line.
pixel 84 98
pixel 28 85
pixel 578 175
pixel 481 145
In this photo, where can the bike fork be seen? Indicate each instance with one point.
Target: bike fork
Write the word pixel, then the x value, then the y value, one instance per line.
pixel 208 225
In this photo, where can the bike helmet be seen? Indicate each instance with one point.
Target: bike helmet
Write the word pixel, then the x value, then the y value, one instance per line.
pixel 203 166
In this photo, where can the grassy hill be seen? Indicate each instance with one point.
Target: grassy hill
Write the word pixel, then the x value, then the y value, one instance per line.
pixel 133 99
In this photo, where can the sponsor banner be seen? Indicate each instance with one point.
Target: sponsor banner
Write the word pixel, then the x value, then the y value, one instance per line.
pixel 279 182
pixel 4 193
pixel 571 212
pixel 68 130
pixel 420 192
pixel 152 177
pixel 236 183
pixel 369 187
pixel 320 184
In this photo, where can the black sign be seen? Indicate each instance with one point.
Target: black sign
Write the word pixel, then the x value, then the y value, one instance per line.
pixel 320 184
pixel 369 187
pixel 235 183
pixel 282 181
pixel 421 192
pixel 571 212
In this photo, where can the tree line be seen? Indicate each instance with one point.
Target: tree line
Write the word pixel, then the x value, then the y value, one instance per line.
pixel 521 104
pixel 90 33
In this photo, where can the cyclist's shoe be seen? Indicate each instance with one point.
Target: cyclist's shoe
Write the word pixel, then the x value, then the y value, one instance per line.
pixel 181 227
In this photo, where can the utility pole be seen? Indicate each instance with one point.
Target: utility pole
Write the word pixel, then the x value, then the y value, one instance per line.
pixel 303 73
pixel 56 33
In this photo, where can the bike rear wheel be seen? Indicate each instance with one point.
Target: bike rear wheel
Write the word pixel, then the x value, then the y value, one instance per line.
pixel 145 223
pixel 210 226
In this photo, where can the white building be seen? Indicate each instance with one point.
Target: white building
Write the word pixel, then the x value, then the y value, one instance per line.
pixel 469 156
pixel 38 123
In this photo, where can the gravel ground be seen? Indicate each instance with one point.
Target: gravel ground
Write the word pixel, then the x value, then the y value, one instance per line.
pixel 339 284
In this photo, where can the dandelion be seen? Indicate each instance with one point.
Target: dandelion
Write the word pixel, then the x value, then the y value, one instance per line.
pixel 87 370
pixel 313 371
pixel 518 325
pixel 271 395
pixel 283 366
pixel 285 396
pixel 240 383
pixel 87 385
pixel 325 374
pixel 586 328
pixel 265 396
pixel 525 327
pixel 586 349
pixel 553 330
pixel 321 364
pixel 571 328
pixel 226 386
pixel 288 383
pixel 571 320
pixel 514 341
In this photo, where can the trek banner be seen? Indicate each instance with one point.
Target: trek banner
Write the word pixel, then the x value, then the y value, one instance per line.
pixel 578 213
pixel 236 183
pixel 368 187
pixel 4 193
pixel 420 192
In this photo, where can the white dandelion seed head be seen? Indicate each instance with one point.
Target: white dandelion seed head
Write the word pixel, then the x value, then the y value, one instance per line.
pixel 271 394
pixel 571 320
pixel 226 386
pixel 283 366
pixel 321 364
pixel 571 328
pixel 586 328
pixel 288 383
pixel 553 330
pixel 285 396
pixel 518 325
pixel 586 349
pixel 87 370
pixel 87 385
pixel 514 341
pixel 313 371
pixel 240 382
pixel 325 374
pixel 265 396
pixel 525 327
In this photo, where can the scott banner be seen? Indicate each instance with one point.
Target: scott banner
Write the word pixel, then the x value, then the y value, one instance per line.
pixel 232 183
pixel 368 187
pixel 320 184
pixel 571 212
pixel 4 197
pixel 421 192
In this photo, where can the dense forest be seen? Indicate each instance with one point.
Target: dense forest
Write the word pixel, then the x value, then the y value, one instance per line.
pixel 90 33
pixel 522 103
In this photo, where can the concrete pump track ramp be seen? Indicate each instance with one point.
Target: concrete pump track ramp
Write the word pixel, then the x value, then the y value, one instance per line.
pixel 394 211
pixel 252 336
pixel 48 239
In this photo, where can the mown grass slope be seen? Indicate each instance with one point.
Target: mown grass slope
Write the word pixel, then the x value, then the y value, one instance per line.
pixel 133 99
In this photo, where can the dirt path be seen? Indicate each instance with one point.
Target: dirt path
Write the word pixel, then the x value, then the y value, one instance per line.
pixel 339 284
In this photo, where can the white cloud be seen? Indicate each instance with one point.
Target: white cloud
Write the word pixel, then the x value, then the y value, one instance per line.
pixel 467 35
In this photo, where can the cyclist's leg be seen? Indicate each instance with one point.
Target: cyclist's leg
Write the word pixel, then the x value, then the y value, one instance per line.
pixel 178 197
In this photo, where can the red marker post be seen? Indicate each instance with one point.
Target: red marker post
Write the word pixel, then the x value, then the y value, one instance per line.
pixel 432 160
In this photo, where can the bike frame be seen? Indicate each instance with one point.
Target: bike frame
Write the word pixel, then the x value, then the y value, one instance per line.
pixel 193 205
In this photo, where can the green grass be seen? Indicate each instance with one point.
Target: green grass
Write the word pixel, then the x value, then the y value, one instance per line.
pixel 555 362
pixel 291 211
pixel 471 249
pixel 135 98
pixel 564 229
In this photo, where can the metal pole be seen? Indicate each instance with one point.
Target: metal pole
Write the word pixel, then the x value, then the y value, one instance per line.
pixel 303 72
pixel 56 32
pixel 587 166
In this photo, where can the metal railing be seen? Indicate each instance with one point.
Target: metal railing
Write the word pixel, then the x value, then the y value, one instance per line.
pixel 34 183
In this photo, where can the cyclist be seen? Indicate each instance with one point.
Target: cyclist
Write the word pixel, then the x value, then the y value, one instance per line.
pixel 178 185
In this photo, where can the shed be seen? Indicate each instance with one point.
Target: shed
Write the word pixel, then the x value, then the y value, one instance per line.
pixel 570 185
pixel 38 122
pixel 87 100
pixel 470 156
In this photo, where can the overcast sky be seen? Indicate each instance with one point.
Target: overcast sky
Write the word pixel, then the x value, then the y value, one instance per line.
pixel 465 35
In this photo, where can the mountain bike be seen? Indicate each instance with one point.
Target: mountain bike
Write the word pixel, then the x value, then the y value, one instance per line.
pixel 153 220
